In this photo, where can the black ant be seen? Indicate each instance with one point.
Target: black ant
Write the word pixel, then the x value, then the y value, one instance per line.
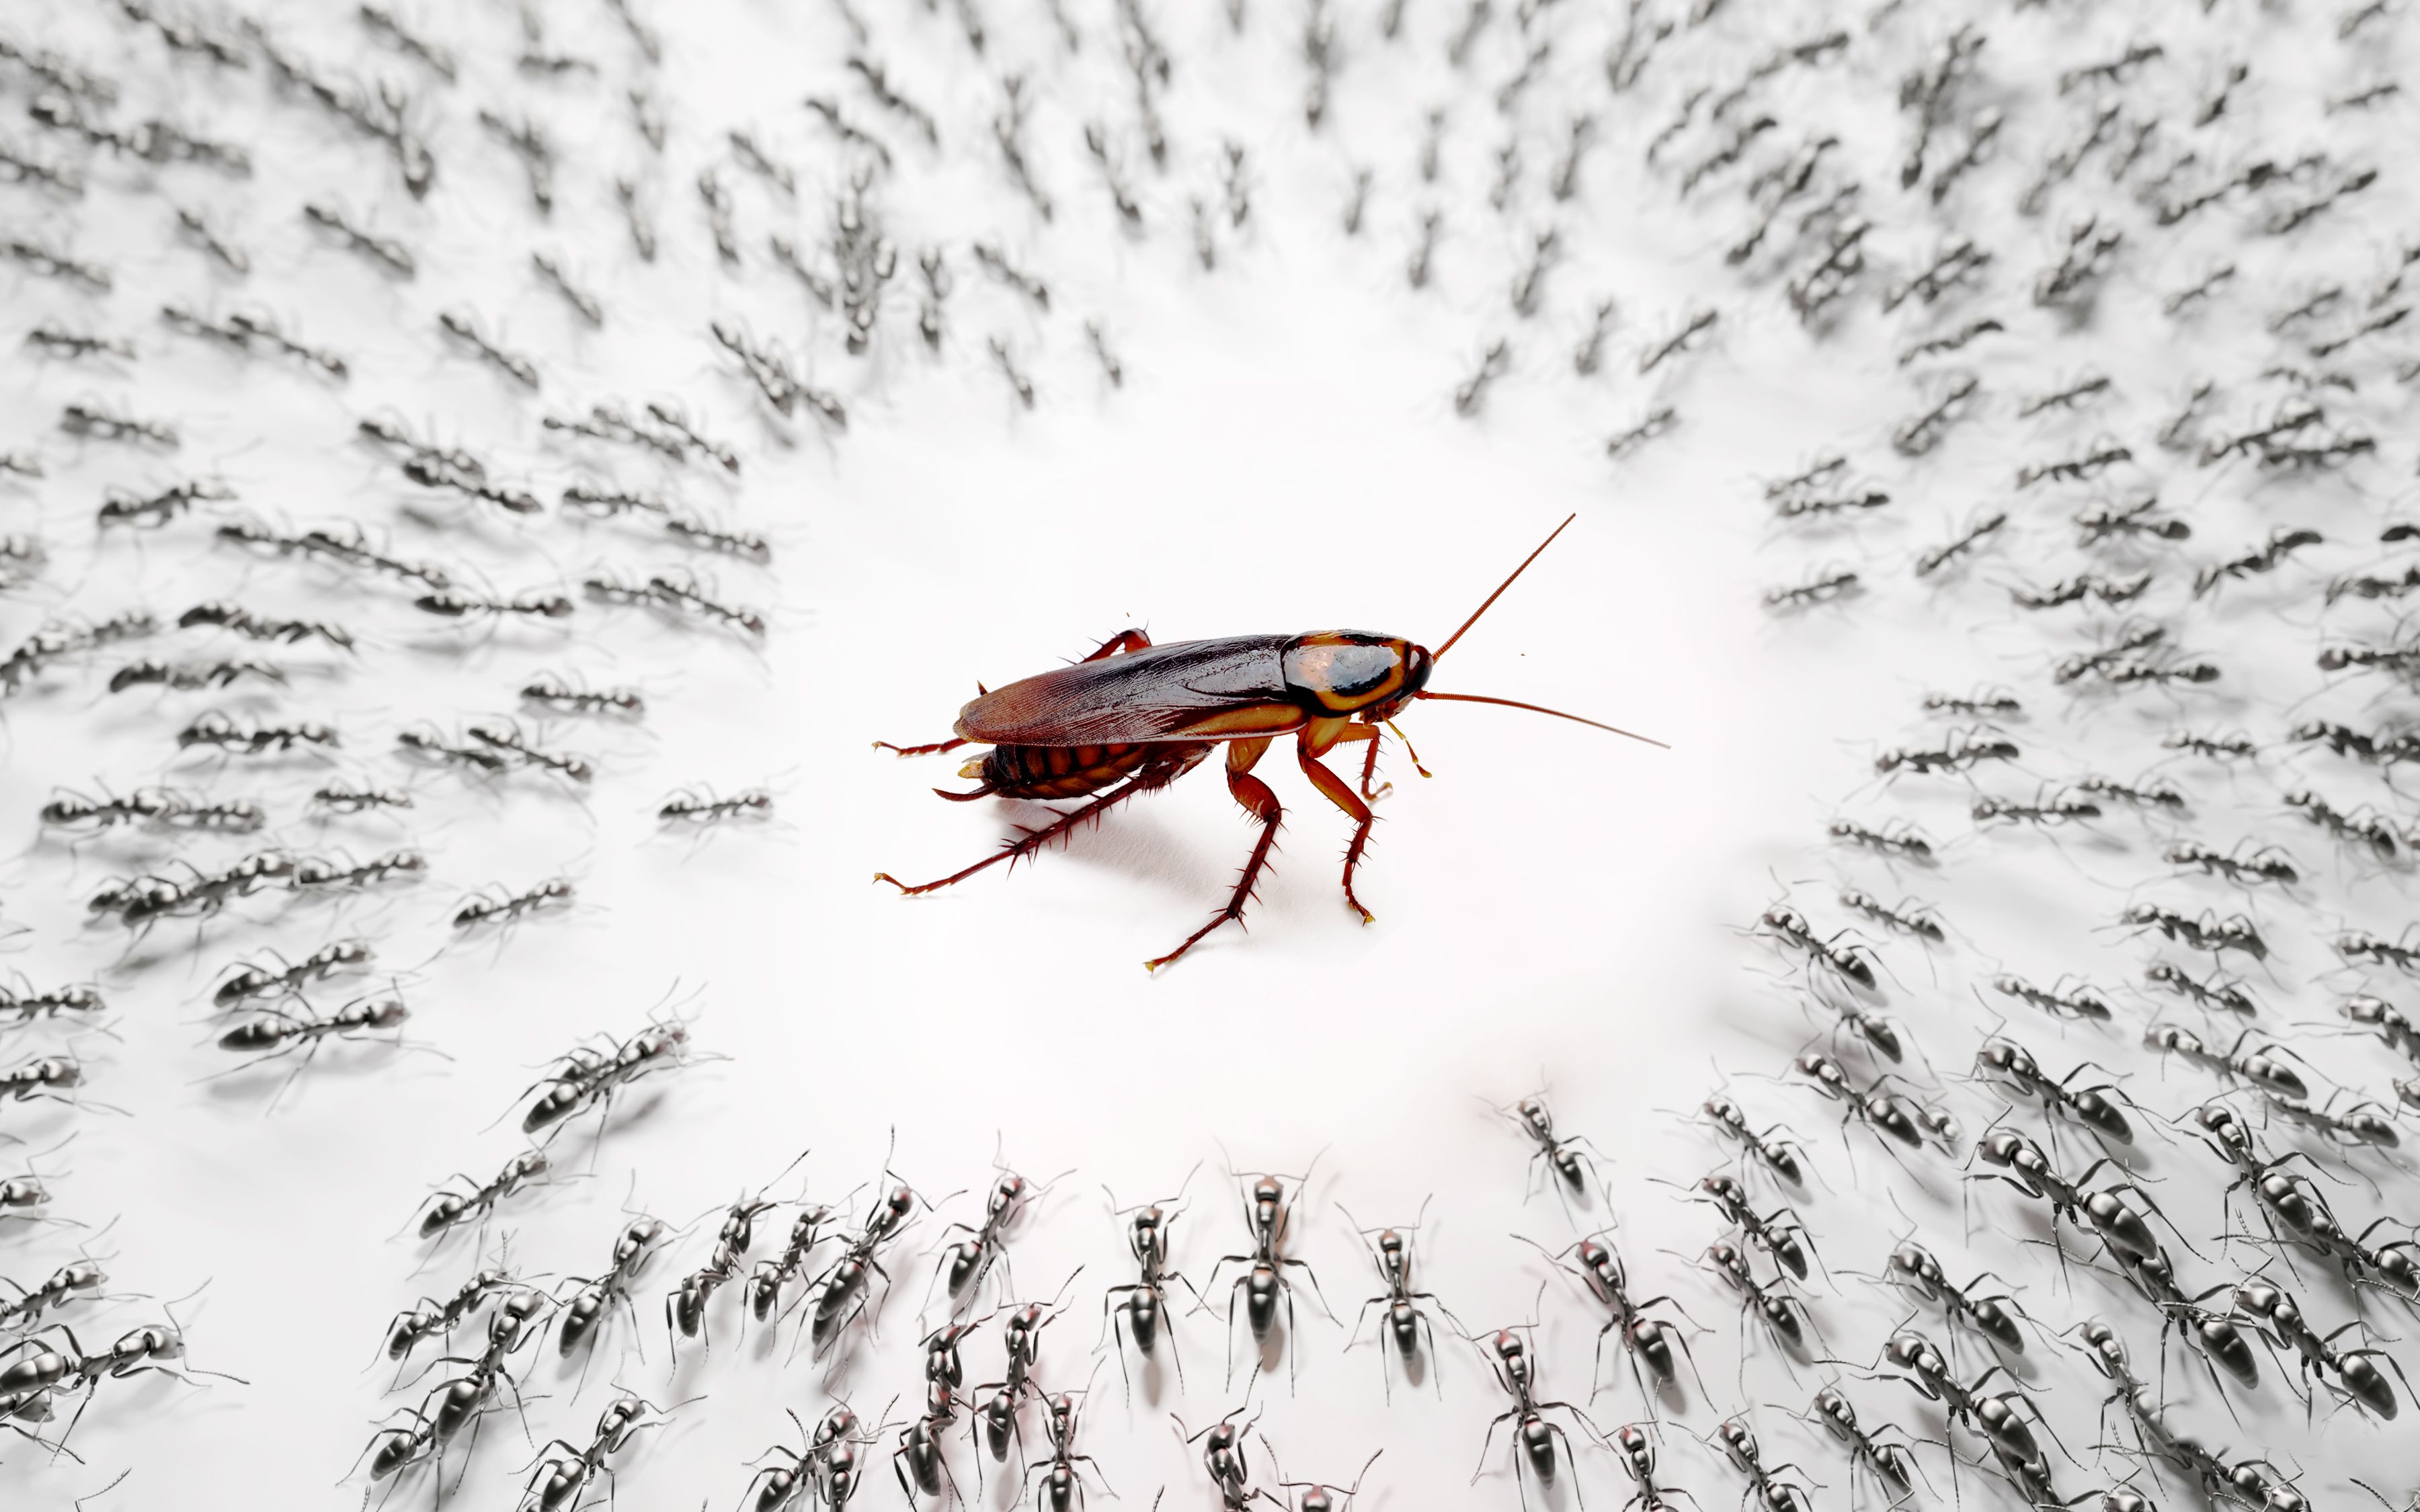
pixel 1892 1463
pixel 995 1423
pixel 1777 1233
pixel 1737 1437
pixel 1390 1251
pixel 1783 1312
pixel 1789 927
pixel 1781 1156
pixel 1901 840
pixel 1264 1281
pixel 558 694
pixel 1569 1156
pixel 495 905
pixel 447 1210
pixel 2082 1002
pixel 559 1483
pixel 1139 1308
pixel 2096 1107
pixel 841 1292
pixel 2262 1066
pixel 1222 1456
pixel 1912 1268
pixel 1533 1438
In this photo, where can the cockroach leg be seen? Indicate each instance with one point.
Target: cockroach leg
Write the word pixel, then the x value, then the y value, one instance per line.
pixel 1167 764
pixel 1262 804
pixel 1308 748
pixel 1122 641
pixel 935 749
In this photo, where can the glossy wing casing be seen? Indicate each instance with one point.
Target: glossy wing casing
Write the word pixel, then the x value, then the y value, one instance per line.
pixel 1186 691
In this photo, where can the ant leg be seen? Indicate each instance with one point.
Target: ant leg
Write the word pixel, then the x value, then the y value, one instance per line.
pixel 1340 792
pixel 1263 805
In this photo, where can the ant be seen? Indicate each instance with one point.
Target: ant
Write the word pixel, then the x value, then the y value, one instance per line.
pixel 918 1461
pixel 2359 945
pixel 2389 1023
pixel 701 806
pixel 1784 1239
pixel 1390 1251
pixel 995 1423
pixel 558 694
pixel 1569 1156
pixel 447 1210
pixel 1638 1458
pixel 1789 927
pixel 1918 920
pixel 587 1077
pixel 1737 1437
pixel 685 1305
pixel 1901 840
pixel 2356 826
pixel 223 615
pixel 493 906
pixel 2206 932
pixel 2262 1067
pixel 1063 1489
pixel 1599 1266
pixel 972 1257
pixel 1781 1156
pixel 2281 1321
pixel 2082 1002
pixel 2006 1421
pixel 633 1248
pixel 1963 751
pixel 2025 1166
pixel 1144 1305
pixel 825 1469
pixel 1263 1279
pixel 45 1366
pixel 45 1076
pixel 1222 1456
pixel 55 1290
pixel 1912 1268
pixel 429 1317
pixel 1905 1119
pixel 2367 1124
pixel 21 1008
pixel 1892 1463
pixel 2003 1060
pixel 559 1484
pixel 275 1032
pixel 1533 1439
pixel 2266 864
pixel 1783 1313
pixel 841 1291
pixel 2060 807
pixel 765 1283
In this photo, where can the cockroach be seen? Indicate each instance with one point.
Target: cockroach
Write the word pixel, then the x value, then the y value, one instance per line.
pixel 1132 718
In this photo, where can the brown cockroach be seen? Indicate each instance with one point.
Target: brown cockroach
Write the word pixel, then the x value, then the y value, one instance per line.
pixel 1133 716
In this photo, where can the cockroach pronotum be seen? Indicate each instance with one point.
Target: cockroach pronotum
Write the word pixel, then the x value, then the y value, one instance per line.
pixel 1133 716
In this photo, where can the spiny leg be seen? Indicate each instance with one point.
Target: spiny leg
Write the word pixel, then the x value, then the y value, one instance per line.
pixel 1262 804
pixel 1341 794
pixel 1032 840
pixel 1122 641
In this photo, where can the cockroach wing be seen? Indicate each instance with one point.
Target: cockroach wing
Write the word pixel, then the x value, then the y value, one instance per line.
pixel 1188 689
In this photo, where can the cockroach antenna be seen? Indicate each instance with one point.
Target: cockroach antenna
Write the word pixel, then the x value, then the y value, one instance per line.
pixel 1439 655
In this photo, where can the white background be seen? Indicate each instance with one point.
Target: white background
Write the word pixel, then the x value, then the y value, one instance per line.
pixel 1556 907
